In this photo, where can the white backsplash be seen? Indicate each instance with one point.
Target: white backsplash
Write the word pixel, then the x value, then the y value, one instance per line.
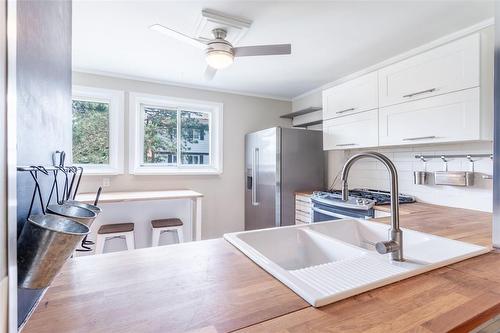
pixel 368 173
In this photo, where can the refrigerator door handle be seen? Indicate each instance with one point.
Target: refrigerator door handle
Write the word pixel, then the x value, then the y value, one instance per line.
pixel 255 173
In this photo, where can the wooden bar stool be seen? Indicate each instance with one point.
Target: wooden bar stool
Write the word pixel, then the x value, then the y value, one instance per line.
pixel 166 225
pixel 109 231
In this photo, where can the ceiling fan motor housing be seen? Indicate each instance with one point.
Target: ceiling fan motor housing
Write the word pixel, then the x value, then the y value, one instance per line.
pixel 219 44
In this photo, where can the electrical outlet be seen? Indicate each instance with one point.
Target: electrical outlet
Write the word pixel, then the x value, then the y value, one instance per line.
pixel 106 182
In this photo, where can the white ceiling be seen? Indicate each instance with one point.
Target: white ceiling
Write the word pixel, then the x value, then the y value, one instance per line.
pixel 330 39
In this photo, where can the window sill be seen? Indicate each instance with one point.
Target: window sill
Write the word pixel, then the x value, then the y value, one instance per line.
pixel 145 171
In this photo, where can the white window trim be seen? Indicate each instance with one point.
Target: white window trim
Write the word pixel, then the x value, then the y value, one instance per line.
pixel 136 123
pixel 115 98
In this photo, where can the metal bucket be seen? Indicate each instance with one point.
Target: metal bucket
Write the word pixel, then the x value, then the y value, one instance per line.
pixel 77 213
pixel 45 243
pixel 93 208
pixel 420 178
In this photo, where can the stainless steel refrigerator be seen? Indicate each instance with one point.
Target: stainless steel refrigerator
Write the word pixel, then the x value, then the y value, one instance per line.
pixel 279 162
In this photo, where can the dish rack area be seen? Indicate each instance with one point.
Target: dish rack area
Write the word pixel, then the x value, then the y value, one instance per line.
pixel 48 238
pixel 446 177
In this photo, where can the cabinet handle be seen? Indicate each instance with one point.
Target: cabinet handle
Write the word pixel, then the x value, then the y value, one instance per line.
pixel 420 92
pixel 420 138
pixel 346 110
pixel 345 144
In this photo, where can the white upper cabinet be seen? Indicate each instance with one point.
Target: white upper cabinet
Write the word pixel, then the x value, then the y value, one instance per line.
pixel 445 118
pixel 452 67
pixel 358 130
pixel 442 95
pixel 360 94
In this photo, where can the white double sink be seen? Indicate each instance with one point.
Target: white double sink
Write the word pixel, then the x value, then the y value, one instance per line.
pixel 329 261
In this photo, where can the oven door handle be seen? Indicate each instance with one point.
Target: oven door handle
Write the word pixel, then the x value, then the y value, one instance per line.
pixel 332 214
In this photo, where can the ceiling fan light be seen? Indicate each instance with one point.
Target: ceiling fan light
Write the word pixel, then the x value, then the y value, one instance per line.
pixel 219 59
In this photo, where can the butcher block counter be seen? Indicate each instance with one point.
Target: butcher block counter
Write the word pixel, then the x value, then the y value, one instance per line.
pixel 209 286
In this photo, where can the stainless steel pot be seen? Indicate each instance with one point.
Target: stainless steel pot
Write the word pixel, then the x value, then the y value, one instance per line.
pixel 45 243
pixel 93 208
pixel 77 213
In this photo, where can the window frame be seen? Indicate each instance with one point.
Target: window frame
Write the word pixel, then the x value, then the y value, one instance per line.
pixel 115 98
pixel 136 135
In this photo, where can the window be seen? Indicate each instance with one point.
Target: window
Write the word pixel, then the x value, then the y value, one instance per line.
pixel 175 136
pixel 97 130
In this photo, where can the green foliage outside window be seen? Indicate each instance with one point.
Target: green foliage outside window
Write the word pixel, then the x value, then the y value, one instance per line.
pixel 160 135
pixel 90 132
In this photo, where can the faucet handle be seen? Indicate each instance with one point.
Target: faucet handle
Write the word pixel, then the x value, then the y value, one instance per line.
pixel 387 247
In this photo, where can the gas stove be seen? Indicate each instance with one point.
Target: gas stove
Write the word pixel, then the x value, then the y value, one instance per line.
pixel 334 199
pixel 380 197
pixel 328 205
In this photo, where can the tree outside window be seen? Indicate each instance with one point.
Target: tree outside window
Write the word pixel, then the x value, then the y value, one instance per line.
pixel 174 136
pixel 162 144
pixel 90 132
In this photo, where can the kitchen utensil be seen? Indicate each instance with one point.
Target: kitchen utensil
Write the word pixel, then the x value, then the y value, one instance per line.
pixel 86 243
pixel 45 243
pixel 420 177
pixel 454 178
pixel 93 208
pixel 78 182
pixel 74 212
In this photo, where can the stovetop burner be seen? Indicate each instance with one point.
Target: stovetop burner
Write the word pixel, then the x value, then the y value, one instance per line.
pixel 381 197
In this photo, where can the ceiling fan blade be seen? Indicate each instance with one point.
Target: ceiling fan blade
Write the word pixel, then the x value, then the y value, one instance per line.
pixel 178 35
pixel 260 50
pixel 210 73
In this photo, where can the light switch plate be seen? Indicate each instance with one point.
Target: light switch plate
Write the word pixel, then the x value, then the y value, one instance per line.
pixel 106 182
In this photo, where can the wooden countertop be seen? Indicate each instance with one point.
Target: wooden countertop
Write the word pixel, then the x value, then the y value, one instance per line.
pixel 107 197
pixel 210 286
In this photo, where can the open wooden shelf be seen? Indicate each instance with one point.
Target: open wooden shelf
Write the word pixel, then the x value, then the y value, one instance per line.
pixel 311 123
pixel 291 115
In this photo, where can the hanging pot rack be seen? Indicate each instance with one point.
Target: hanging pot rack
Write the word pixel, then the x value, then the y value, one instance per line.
pixel 68 192
pixel 445 157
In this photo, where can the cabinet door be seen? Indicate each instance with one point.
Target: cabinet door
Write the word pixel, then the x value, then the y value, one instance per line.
pixel 448 68
pixel 444 118
pixel 353 131
pixel 360 94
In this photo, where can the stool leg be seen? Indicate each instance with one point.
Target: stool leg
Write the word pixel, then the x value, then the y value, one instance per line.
pixel 99 247
pixel 180 235
pixel 156 237
pixel 129 238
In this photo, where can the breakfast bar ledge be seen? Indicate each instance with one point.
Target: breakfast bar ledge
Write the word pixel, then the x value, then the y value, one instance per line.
pixel 112 197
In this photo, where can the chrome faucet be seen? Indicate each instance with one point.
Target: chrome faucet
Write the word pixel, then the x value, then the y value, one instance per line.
pixel 395 244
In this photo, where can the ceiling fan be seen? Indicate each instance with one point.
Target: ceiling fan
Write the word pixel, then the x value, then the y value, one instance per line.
pixel 219 52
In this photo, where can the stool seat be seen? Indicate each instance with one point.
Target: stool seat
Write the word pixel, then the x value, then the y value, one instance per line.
pixel 165 223
pixel 115 228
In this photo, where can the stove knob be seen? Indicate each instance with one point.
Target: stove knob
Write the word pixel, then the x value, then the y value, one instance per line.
pixel 367 202
pixel 359 201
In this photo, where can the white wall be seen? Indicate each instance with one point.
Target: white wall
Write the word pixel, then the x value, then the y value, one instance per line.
pixel 223 205
pixel 312 99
